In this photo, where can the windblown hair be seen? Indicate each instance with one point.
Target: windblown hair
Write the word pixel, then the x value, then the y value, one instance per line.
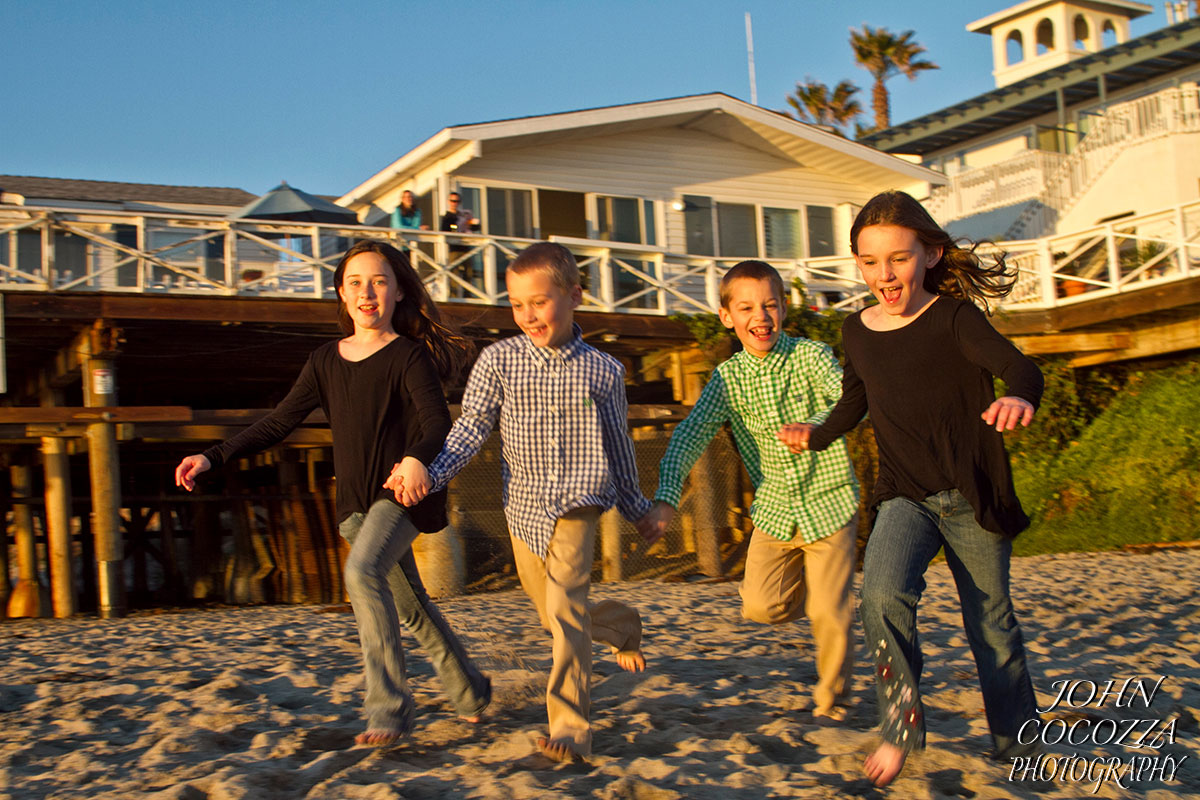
pixel 553 258
pixel 754 270
pixel 960 272
pixel 416 315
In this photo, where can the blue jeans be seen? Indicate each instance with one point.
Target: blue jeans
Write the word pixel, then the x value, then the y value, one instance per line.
pixel 386 591
pixel 906 537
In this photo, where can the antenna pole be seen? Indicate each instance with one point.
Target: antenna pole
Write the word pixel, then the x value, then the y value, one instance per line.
pixel 750 59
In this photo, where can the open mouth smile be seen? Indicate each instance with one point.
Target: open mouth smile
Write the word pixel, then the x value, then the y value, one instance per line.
pixel 890 294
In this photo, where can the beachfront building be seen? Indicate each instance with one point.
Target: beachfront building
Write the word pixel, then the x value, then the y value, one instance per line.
pixel 1086 125
pixel 668 192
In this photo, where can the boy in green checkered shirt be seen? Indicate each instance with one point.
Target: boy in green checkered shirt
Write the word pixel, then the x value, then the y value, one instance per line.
pixel 802 552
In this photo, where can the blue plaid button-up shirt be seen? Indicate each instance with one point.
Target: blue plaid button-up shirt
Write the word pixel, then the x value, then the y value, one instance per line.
pixel 563 424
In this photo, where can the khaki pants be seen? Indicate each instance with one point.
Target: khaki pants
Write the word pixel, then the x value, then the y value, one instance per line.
pixel 786 579
pixel 558 587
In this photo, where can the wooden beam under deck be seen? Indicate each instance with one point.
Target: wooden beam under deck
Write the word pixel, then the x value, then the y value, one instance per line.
pixel 1110 308
pixel 166 308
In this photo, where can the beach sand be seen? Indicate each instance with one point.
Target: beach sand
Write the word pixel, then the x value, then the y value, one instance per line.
pixel 224 704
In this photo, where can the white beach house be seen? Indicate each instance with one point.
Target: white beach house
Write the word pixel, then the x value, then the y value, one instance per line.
pixel 687 181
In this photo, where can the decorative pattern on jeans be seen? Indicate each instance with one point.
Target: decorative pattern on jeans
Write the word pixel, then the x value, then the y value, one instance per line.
pixel 903 719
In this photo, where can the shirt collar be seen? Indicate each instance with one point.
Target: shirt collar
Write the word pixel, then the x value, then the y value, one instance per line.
pixel 774 360
pixel 565 352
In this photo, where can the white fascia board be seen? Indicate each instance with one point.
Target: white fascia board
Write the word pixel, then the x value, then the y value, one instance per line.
pixel 409 162
pixel 567 120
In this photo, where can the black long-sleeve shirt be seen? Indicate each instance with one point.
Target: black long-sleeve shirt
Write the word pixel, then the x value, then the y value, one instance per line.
pixel 925 386
pixel 385 407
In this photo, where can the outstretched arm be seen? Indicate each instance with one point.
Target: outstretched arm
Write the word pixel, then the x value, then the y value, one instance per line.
pixel 690 438
pixel 271 429
pixel 480 410
pixel 613 409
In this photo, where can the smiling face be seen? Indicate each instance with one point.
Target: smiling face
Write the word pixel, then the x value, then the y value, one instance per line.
pixel 893 262
pixel 370 291
pixel 755 314
pixel 541 308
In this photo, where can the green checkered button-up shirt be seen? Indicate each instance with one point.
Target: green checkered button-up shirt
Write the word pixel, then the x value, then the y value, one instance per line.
pixel 813 494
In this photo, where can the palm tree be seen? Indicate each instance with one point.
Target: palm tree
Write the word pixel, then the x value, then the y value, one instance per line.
pixel 884 55
pixel 813 102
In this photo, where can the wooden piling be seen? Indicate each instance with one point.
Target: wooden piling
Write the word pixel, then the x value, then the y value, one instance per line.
pixel 709 513
pixel 57 468
pixel 29 597
pixel 105 471
pixel 5 585
pixel 440 556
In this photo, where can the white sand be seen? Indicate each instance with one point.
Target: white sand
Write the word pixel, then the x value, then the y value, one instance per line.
pixel 265 702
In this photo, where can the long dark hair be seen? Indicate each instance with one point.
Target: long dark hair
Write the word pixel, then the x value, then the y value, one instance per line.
pixel 416 315
pixel 960 272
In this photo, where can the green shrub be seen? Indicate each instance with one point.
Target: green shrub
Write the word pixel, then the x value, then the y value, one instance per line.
pixel 1131 476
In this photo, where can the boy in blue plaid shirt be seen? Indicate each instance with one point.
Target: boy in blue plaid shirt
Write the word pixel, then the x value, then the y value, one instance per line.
pixel 802 551
pixel 566 457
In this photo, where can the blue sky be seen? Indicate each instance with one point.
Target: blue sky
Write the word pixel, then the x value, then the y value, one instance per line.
pixel 324 94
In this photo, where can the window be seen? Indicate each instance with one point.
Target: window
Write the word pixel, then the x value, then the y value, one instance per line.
pixel 737 233
pixel 1081 32
pixel 730 230
pixel 781 233
pixel 698 224
pixel 1108 34
pixel 626 219
pixel 510 212
pixel 1014 48
pixel 618 219
pixel 820 231
pixel 1045 37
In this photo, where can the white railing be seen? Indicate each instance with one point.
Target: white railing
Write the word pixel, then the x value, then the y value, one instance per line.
pixel 1164 113
pixel 998 185
pixel 69 250
pixel 49 249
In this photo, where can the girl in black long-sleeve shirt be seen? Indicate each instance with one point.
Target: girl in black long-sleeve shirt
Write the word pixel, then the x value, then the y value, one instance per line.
pixel 380 389
pixel 921 363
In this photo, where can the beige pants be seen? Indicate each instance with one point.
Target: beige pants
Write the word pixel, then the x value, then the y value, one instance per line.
pixel 785 579
pixel 558 586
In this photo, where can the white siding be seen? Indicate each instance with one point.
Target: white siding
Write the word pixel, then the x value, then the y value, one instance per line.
pixel 662 165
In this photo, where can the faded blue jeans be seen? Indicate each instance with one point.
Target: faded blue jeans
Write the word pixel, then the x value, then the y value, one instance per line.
pixel 906 537
pixel 386 592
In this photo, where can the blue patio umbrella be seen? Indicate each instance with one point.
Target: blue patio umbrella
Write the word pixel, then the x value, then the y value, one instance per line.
pixel 289 203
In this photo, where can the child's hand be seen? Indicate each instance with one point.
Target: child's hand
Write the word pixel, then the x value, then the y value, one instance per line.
pixel 412 482
pixel 795 436
pixel 1006 412
pixel 653 525
pixel 394 481
pixel 188 469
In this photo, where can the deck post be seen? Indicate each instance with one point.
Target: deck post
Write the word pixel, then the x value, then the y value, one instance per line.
pixel 610 546
pixel 57 467
pixel 5 586
pixel 105 472
pixel 710 514
pixel 29 597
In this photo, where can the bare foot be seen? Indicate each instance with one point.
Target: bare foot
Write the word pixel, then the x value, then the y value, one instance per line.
pixel 474 719
pixel 631 660
pixel 833 714
pixel 884 764
pixel 556 751
pixel 378 737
